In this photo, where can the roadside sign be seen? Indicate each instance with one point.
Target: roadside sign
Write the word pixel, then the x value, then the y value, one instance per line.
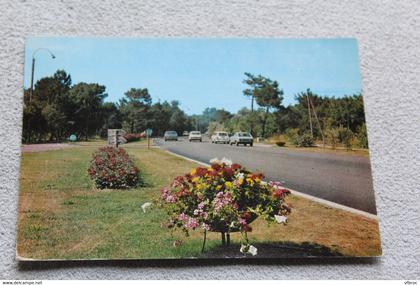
pixel 148 134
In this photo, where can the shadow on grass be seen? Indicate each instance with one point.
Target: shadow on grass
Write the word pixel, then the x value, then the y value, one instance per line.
pixel 274 250
pixel 269 254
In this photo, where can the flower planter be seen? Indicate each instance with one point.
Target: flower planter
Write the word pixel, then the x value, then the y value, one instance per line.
pixel 224 229
pixel 223 198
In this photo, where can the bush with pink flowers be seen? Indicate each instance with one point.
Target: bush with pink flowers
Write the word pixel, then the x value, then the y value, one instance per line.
pixel 132 137
pixel 112 168
pixel 224 198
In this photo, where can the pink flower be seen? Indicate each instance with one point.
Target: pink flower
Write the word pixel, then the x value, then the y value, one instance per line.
pixel 183 217
pixel 192 223
pixel 222 199
pixel 205 226
pixel 170 199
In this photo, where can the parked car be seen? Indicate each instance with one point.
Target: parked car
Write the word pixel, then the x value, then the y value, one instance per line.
pixel 185 133
pixel 220 137
pixel 195 136
pixel 170 136
pixel 244 138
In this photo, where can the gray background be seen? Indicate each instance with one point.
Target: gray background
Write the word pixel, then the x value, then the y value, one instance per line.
pixel 388 35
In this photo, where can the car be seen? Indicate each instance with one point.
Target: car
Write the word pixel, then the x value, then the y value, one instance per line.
pixel 244 138
pixel 220 137
pixel 170 136
pixel 195 136
pixel 185 133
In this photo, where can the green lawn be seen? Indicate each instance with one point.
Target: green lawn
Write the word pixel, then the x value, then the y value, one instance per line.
pixel 62 215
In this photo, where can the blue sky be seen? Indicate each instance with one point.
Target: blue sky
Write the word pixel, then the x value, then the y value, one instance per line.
pixel 200 73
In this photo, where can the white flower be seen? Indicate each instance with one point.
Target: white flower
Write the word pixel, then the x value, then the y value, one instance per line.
pixel 145 206
pixel 226 161
pixel 249 249
pixel 240 175
pixel 253 250
pixel 280 219
pixel 264 183
pixel 214 160
pixel 244 248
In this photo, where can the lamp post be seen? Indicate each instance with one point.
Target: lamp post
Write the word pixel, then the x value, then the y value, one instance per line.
pixel 33 69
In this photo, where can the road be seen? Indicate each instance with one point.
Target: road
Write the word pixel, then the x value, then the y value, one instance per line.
pixel 343 179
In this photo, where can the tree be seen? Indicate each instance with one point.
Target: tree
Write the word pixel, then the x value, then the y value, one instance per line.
pixel 134 108
pixel 267 94
pixel 47 111
pixel 88 100
pixel 111 118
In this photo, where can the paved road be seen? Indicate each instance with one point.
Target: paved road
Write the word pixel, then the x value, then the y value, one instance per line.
pixel 342 179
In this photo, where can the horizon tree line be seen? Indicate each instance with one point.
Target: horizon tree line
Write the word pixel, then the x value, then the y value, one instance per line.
pixel 58 109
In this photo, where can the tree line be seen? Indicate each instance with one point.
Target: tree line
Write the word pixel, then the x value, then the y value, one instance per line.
pixel 57 108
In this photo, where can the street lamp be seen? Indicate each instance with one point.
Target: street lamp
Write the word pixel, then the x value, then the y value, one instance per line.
pixel 33 68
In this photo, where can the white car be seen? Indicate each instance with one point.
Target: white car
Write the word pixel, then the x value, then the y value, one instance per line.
pixel 220 137
pixel 195 136
pixel 244 138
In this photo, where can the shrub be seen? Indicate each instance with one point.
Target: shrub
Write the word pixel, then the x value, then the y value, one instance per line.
pixel 293 136
pixel 298 139
pixel 132 137
pixel 111 167
pixel 362 136
pixel 223 198
pixel 280 143
pixel 346 137
pixel 332 137
pixel 305 140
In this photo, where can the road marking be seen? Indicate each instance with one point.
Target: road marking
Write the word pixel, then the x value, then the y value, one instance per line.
pixel 297 193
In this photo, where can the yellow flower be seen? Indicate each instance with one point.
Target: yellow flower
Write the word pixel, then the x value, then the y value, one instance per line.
pixel 257 180
pixel 193 172
pixel 218 187
pixel 228 184
pixel 196 179
pixel 250 181
pixel 240 181
pixel 201 186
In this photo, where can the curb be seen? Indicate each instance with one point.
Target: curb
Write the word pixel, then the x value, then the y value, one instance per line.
pixel 300 194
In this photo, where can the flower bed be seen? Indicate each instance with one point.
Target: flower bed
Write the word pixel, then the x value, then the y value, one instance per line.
pixel 132 137
pixel 111 167
pixel 223 198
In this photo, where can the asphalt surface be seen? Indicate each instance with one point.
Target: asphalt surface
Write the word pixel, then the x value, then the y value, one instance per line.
pixel 339 178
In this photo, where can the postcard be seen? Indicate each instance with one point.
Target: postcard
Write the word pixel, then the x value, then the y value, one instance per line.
pixel 176 148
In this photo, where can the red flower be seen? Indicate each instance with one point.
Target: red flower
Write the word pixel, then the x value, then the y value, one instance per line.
pixel 212 173
pixel 280 193
pixel 246 228
pixel 246 216
pixel 257 175
pixel 200 171
pixel 236 166
pixel 216 166
pixel 228 172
